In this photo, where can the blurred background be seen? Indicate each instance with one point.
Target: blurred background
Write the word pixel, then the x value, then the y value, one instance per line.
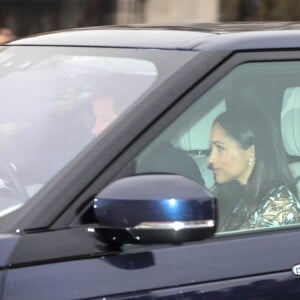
pixel 25 17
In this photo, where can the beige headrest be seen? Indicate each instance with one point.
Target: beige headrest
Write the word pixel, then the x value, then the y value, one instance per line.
pixel 290 121
pixel 196 136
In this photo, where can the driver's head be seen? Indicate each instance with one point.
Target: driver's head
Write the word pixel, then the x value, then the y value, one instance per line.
pixel 104 112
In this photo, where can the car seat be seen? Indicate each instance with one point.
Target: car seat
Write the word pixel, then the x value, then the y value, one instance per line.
pixel 194 139
pixel 290 129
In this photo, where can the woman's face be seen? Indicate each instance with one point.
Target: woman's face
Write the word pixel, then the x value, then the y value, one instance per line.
pixel 228 160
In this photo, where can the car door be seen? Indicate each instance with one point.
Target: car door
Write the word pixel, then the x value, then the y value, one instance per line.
pixel 271 86
pixel 67 261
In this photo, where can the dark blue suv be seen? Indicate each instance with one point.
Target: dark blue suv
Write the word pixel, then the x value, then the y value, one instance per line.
pixel 137 163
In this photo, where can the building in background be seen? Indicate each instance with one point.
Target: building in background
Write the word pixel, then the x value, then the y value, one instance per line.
pixel 27 17
pixel 167 11
pixel 34 16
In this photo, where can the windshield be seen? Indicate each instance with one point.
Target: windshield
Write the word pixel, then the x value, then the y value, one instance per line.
pixel 57 100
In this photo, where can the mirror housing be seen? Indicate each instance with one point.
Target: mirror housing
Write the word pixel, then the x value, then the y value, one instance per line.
pixel 158 208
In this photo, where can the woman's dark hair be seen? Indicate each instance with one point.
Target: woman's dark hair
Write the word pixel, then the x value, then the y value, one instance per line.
pixel 250 127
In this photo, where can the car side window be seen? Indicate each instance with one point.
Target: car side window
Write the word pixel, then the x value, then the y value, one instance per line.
pixel 240 141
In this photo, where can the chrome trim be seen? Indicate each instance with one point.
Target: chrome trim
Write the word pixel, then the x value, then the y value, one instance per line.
pixel 296 270
pixel 176 225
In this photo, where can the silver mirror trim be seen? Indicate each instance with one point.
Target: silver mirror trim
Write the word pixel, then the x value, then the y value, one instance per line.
pixel 176 225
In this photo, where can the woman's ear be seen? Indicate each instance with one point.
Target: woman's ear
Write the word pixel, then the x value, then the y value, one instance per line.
pixel 251 152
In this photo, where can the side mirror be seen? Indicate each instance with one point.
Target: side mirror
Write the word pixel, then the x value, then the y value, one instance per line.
pixel 158 208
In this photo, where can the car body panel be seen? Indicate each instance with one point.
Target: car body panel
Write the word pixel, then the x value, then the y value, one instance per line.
pixel 179 40
pixel 213 37
pixel 8 243
pixel 192 266
pixel 245 288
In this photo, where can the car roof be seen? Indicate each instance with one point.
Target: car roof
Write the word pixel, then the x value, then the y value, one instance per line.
pixel 218 36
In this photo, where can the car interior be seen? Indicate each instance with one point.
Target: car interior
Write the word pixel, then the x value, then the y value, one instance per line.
pixel 290 124
pixel 272 88
pixel 198 148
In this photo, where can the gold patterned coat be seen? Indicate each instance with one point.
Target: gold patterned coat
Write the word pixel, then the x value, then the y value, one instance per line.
pixel 279 208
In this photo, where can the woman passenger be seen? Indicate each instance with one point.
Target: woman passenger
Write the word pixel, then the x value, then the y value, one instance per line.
pixel 254 186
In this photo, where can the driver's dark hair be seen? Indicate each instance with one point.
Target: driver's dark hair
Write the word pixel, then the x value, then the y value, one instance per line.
pixel 250 127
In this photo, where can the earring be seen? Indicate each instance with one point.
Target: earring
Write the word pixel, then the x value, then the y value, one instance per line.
pixel 251 161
